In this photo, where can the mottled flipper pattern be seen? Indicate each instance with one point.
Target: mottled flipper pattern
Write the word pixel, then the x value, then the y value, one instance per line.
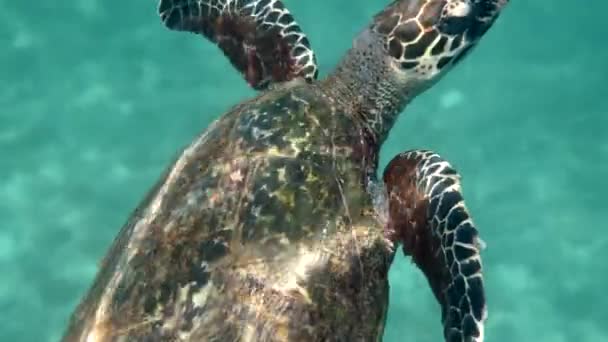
pixel 260 37
pixel 428 215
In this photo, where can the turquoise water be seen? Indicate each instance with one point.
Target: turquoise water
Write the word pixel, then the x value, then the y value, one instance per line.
pixel 96 97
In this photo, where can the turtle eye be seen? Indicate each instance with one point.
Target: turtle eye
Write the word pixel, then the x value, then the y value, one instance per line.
pixel 471 18
pixel 456 17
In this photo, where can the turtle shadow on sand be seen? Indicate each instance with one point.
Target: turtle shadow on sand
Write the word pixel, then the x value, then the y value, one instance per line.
pixel 271 225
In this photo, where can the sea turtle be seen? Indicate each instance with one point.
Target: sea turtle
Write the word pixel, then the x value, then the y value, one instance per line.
pixel 272 224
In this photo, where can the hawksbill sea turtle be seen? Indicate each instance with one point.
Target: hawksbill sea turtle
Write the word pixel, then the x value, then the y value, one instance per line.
pixel 272 224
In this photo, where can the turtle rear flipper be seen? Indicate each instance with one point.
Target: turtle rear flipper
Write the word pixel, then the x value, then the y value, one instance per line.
pixel 260 37
pixel 428 215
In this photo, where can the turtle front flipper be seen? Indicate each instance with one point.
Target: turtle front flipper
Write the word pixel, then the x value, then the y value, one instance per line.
pixel 260 37
pixel 428 216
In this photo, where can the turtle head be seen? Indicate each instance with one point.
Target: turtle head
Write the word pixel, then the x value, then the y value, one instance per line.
pixel 422 39
pixel 412 43
pixel 408 47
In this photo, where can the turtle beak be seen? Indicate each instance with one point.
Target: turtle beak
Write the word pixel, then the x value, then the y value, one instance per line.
pixel 485 13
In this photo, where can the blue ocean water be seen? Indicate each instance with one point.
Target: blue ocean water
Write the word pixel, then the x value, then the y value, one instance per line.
pixel 96 98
